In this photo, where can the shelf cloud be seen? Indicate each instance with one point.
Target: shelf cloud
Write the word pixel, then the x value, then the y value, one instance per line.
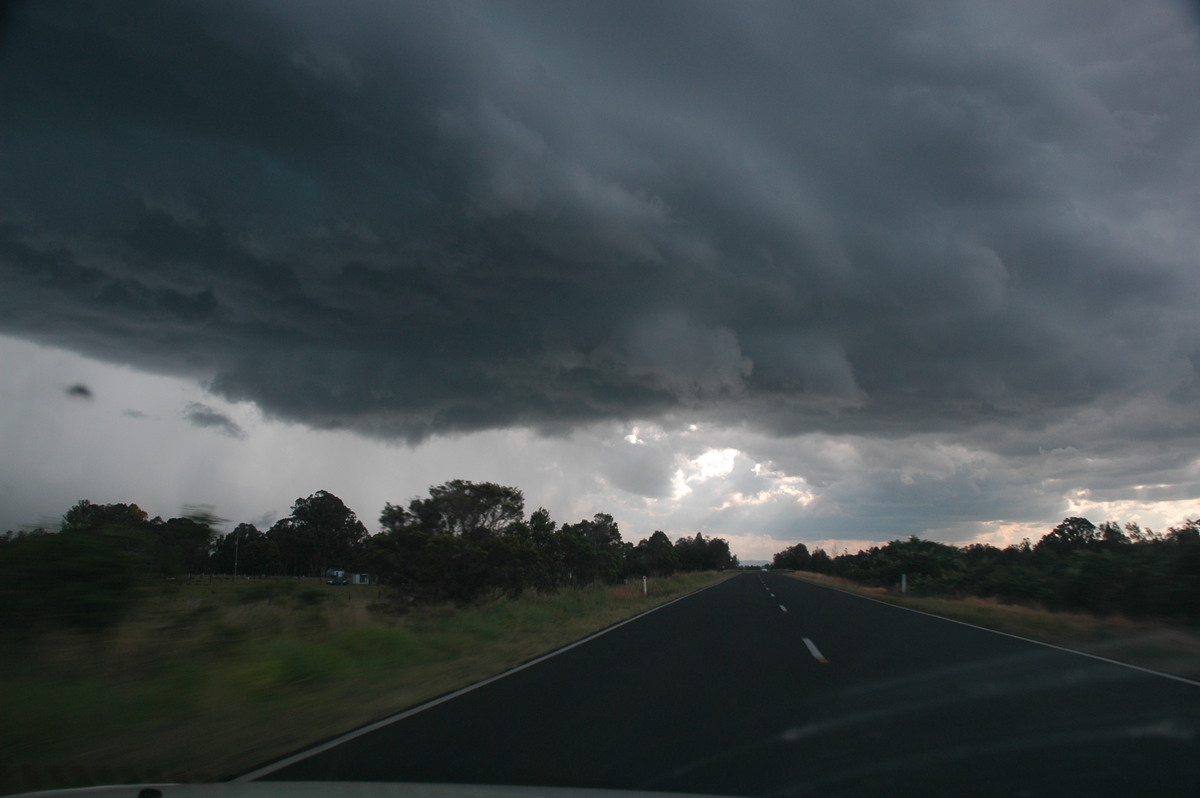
pixel 966 228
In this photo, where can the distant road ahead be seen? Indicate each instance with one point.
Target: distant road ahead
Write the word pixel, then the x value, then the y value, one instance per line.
pixel 767 686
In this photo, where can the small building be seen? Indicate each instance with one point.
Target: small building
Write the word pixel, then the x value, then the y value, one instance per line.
pixel 361 579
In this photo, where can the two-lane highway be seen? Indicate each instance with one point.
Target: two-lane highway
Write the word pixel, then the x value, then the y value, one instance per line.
pixel 765 685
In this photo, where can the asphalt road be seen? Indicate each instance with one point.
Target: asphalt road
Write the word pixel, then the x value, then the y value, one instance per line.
pixel 764 686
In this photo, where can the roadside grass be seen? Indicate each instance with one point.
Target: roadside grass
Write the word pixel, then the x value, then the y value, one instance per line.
pixel 1158 646
pixel 209 678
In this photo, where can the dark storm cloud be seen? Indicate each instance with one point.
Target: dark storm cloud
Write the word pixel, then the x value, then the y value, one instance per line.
pixel 405 219
pixel 201 415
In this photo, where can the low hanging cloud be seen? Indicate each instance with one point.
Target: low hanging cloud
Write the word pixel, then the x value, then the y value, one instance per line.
pixel 976 224
pixel 201 415
pixel 681 357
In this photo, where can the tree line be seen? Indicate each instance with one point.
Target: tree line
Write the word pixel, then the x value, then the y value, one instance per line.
pixel 1076 566
pixel 462 542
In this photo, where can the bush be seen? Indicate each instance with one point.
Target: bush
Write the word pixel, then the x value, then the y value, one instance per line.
pixel 86 579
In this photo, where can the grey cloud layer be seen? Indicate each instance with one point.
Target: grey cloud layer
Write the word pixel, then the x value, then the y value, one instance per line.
pixel 405 219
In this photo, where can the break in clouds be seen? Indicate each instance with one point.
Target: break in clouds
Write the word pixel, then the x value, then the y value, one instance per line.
pixel 935 261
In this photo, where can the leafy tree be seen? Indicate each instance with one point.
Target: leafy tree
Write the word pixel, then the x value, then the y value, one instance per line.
pixel 654 556
pixel 697 554
pixel 246 550
pixel 85 515
pixel 322 532
pixel 929 566
pixel 1136 534
pixel 176 546
pixel 512 563
pixel 1091 579
pixel 85 576
pixel 794 557
pixel 183 545
pixel 1072 533
pixel 821 562
pixel 402 555
pixel 1076 566
pixel 463 540
pixel 1111 535
pixel 1180 569
pixel 719 556
pixel 691 552
pixel 591 550
pixel 541 526
pixel 470 509
pixel 1186 535
pixel 548 568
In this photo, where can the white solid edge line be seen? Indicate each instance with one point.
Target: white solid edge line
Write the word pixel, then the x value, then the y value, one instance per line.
pixel 812 649
pixel 379 724
pixel 1150 671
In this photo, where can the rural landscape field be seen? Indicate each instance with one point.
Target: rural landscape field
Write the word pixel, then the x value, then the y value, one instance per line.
pixel 208 676
pixel 133 657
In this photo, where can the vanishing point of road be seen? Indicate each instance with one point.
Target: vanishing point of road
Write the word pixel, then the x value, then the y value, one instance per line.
pixel 763 685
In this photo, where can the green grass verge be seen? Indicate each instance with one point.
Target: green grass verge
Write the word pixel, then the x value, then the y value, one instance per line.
pixel 1161 647
pixel 209 678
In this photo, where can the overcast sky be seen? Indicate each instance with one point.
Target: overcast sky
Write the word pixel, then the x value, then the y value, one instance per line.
pixel 825 272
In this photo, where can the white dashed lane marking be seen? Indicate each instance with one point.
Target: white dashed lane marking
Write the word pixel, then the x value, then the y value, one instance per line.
pixel 812 649
pixel 809 644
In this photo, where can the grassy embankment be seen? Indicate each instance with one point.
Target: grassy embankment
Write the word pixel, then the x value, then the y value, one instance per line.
pixel 211 677
pixel 1157 646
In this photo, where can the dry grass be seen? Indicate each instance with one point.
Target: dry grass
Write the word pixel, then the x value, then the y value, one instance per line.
pixel 1157 646
pixel 208 679
pixel 838 582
